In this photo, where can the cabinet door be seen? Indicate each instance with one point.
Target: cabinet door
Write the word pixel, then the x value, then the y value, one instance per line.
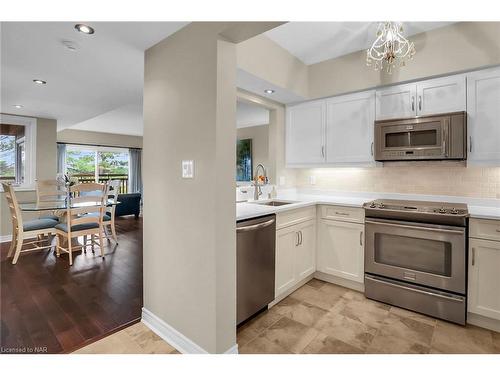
pixel 483 109
pixel 484 278
pixel 349 128
pixel 341 249
pixel 305 262
pixel 305 133
pixel 441 95
pixel 287 240
pixel 396 102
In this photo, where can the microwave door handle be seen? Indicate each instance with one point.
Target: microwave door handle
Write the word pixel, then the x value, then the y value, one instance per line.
pixel 445 132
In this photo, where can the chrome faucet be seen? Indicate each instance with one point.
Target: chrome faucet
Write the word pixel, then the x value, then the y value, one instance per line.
pixel 257 189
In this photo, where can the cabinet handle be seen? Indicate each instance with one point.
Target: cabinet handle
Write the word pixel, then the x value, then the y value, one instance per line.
pixel 361 238
pixel 371 149
pixel 297 240
pixel 473 256
pixel 323 151
pixel 470 143
pixel 341 213
pixel 412 103
pixel 419 102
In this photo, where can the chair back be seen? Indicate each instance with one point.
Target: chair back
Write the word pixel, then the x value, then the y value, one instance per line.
pixel 88 198
pixel 15 211
pixel 50 190
pixel 112 193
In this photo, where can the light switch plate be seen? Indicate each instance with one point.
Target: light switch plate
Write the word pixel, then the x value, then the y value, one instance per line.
pixel 188 169
pixel 312 180
pixel 282 180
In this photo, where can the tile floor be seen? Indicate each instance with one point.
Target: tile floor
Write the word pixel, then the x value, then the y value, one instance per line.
pixel 326 318
pixel 136 339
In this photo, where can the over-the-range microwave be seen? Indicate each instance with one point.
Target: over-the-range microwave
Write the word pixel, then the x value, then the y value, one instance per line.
pixel 436 137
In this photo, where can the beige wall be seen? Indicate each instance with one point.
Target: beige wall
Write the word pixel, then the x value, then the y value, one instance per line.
pixel 264 58
pixel 189 224
pixel 46 167
pixel 410 178
pixel 260 143
pixel 97 138
pixel 460 46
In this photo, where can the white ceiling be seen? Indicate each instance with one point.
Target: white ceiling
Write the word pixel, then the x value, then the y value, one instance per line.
pixel 251 115
pixel 313 42
pixel 102 80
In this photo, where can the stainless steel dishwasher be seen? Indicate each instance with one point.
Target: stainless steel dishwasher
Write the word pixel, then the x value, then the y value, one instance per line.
pixel 255 246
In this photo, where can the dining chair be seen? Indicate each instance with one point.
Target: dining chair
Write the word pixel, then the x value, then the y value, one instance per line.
pixel 26 230
pixel 50 191
pixel 84 217
pixel 112 191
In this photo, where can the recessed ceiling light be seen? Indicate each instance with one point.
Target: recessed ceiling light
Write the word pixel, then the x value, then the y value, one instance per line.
pixel 40 81
pixel 18 106
pixel 269 91
pixel 84 28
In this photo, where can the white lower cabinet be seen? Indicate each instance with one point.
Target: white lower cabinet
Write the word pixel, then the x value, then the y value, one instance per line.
pixel 484 278
pixel 341 249
pixel 295 255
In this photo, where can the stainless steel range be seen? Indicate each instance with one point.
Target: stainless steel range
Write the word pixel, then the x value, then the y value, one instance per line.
pixel 415 256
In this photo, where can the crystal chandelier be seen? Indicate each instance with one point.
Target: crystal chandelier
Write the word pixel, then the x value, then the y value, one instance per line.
pixel 390 49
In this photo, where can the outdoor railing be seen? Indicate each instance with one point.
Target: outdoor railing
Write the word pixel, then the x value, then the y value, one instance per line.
pixel 123 178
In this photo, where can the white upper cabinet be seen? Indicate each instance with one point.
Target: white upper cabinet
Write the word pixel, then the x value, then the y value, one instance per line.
pixel 483 109
pixel 396 102
pixel 441 95
pixel 305 133
pixel 433 96
pixel 349 128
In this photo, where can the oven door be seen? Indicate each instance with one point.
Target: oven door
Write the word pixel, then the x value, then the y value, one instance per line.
pixel 424 254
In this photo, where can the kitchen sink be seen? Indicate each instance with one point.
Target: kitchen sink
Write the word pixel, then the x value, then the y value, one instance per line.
pixel 274 203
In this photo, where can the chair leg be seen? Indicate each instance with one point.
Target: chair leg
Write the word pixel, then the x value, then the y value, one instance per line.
pixel 58 243
pixel 101 244
pixel 84 248
pixel 92 239
pixel 113 230
pixel 13 242
pixel 19 245
pixel 70 251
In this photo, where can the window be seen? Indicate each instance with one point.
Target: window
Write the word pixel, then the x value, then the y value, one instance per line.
pixel 244 160
pixel 98 164
pixel 17 150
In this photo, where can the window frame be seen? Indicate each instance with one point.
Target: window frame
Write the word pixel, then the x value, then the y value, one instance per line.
pixel 96 150
pixel 30 126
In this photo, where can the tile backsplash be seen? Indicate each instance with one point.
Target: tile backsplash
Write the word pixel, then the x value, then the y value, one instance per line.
pixel 433 178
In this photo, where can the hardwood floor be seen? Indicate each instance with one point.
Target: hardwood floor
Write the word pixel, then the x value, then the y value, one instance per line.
pixel 48 306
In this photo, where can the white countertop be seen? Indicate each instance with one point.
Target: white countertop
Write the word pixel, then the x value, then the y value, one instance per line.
pixel 478 208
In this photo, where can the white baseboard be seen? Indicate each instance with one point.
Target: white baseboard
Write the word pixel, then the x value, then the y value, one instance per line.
pixel 173 337
pixel 360 287
pixel 483 322
pixel 6 238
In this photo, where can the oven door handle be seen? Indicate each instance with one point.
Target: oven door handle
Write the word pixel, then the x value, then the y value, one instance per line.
pixel 456 231
pixel 455 299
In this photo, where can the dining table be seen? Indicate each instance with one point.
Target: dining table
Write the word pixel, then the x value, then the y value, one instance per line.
pixel 59 208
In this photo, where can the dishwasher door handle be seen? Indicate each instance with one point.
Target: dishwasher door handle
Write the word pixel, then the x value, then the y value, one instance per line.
pixel 255 226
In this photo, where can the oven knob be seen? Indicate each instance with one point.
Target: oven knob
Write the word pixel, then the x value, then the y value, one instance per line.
pixel 372 205
pixel 442 211
pixel 454 211
pixel 381 205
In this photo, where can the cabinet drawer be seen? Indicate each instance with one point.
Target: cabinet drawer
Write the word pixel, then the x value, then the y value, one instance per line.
pixel 292 217
pixel 485 229
pixel 351 214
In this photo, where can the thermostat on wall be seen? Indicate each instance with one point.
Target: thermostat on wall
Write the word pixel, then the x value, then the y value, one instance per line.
pixel 187 169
